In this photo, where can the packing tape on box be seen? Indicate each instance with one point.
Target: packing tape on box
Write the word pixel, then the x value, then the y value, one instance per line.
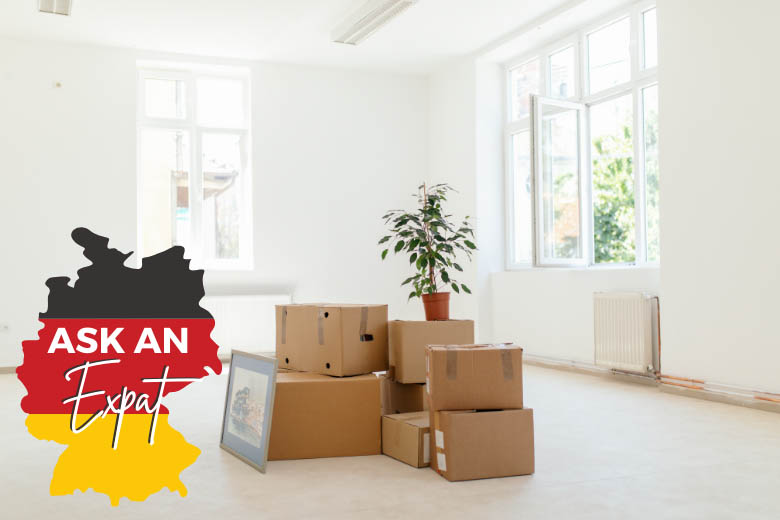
pixel 364 325
pixel 506 361
pixel 284 325
pixel 320 327
pixel 452 364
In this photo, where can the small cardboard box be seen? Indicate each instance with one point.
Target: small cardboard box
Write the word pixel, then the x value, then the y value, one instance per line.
pixel 483 444
pixel 406 437
pixel 474 377
pixel 408 340
pixel 400 398
pixel 336 340
pixel 321 416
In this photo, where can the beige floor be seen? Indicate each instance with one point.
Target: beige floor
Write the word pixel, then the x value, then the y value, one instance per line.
pixel 604 449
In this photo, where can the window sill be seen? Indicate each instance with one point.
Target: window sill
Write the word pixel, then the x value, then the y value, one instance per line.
pixel 592 268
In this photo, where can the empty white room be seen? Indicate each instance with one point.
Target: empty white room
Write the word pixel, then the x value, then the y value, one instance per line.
pixel 389 259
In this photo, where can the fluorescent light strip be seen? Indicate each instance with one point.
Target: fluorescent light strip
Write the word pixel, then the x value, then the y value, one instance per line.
pixel 368 19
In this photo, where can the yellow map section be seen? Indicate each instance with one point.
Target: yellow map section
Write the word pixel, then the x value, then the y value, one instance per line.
pixel 134 470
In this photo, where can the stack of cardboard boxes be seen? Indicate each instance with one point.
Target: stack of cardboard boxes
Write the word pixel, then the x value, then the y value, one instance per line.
pixel 480 428
pixel 317 411
pixel 443 401
pixel 405 421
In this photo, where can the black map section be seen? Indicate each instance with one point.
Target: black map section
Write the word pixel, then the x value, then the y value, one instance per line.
pixel 164 287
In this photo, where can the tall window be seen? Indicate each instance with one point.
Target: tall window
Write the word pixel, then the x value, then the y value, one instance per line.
pixel 193 165
pixel 582 147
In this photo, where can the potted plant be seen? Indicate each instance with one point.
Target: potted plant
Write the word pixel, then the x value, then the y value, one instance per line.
pixel 432 243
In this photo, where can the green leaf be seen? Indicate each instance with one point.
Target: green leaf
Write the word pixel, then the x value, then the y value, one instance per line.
pixel 407 280
pixel 470 244
pixel 455 288
pixel 411 295
pixel 413 258
pixel 384 254
pixel 445 277
pixel 399 245
pixel 413 243
pixel 385 239
pixel 456 266
pixel 466 289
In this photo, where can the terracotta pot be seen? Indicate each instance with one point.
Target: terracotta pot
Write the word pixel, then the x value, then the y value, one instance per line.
pixel 437 306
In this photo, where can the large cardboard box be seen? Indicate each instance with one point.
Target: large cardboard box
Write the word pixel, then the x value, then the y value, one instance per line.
pixel 406 437
pixel 400 398
pixel 408 340
pixel 483 444
pixel 337 340
pixel 321 416
pixel 474 377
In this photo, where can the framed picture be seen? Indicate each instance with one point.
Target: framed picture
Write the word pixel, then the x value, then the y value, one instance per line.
pixel 249 402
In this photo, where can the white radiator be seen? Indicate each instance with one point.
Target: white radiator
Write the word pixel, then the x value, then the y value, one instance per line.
pixel 244 322
pixel 626 332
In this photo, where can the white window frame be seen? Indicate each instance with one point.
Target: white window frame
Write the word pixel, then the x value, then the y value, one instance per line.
pixel 189 124
pixel 640 78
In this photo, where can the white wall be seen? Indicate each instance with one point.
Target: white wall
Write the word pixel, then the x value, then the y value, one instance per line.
pixel 332 150
pixel 719 191
pixel 452 156
pixel 67 159
pixel 550 311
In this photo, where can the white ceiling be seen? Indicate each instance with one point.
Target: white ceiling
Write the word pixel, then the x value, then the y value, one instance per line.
pixel 296 31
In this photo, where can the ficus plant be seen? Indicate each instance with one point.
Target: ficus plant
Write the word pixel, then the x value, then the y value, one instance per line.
pixel 431 240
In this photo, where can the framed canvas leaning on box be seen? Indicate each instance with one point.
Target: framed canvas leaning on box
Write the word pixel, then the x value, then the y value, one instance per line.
pixel 249 401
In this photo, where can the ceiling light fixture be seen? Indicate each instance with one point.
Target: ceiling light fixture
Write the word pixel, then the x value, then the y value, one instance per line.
pixel 368 19
pixel 62 7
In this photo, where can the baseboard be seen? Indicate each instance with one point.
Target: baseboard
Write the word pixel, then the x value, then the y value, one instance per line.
pixel 7 370
pixel 709 392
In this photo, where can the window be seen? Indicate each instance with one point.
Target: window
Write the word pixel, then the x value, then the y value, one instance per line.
pixel 525 81
pixel 193 169
pixel 609 58
pixel 582 162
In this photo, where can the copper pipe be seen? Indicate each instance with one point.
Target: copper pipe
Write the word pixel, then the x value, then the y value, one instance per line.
pixel 683 379
pixel 682 385
pixel 761 398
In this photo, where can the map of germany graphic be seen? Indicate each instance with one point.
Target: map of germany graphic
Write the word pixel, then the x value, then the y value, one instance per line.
pixel 112 346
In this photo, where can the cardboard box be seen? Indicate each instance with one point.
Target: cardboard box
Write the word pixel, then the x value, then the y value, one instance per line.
pixel 320 416
pixel 408 340
pixel 406 437
pixel 483 444
pixel 474 377
pixel 337 340
pixel 400 398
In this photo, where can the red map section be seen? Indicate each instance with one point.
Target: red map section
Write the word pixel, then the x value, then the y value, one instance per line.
pixel 43 374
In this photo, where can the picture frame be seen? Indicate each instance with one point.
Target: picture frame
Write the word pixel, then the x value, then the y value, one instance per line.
pixel 249 401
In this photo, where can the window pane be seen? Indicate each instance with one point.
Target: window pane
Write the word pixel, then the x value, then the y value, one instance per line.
pixel 521 153
pixel 614 235
pixel 165 98
pixel 222 166
pixel 221 103
pixel 560 186
pixel 650 118
pixel 165 205
pixel 525 81
pixel 562 73
pixel 651 38
pixel 609 58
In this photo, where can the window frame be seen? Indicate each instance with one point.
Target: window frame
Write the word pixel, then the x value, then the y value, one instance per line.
pixel 189 124
pixel 640 79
